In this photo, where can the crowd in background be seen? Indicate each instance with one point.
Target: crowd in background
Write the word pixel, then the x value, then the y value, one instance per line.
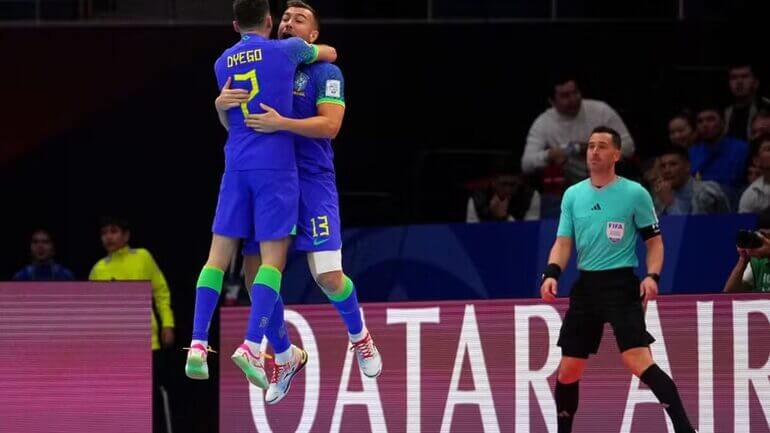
pixel 714 160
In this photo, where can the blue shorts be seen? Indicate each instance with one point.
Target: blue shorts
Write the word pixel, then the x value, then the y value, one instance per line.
pixel 259 205
pixel 318 223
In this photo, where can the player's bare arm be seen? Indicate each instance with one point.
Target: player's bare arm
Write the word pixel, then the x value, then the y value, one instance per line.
pixel 560 252
pixel 326 124
pixel 326 53
pixel 229 98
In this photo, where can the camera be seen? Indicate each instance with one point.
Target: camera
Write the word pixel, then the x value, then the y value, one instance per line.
pixel 748 239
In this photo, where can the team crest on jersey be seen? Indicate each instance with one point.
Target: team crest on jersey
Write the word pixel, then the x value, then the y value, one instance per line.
pixel 300 83
pixel 615 231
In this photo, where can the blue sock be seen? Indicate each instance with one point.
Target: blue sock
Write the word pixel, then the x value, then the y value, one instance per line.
pixel 276 329
pixel 206 299
pixel 264 294
pixel 346 304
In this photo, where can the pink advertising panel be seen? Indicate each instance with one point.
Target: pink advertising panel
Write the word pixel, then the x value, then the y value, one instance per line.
pixel 75 357
pixel 489 366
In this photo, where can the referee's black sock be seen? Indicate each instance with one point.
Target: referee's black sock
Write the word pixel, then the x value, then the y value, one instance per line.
pixel 665 390
pixel 566 396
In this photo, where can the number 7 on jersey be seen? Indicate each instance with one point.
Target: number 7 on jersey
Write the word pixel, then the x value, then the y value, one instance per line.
pixel 250 76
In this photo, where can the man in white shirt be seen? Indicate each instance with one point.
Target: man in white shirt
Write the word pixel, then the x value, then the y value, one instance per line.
pixel 756 198
pixel 556 140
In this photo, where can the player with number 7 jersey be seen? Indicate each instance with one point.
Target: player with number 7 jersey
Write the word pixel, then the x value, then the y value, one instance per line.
pixel 259 192
pixel 267 208
pixel 319 108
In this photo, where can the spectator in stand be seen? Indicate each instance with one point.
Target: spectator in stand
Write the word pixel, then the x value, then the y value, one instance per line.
pixel 508 198
pixel 678 193
pixel 43 267
pixel 650 174
pixel 753 171
pixel 756 198
pixel 681 130
pixel 124 263
pixel 556 146
pixel 744 85
pixel 761 124
pixel 718 157
pixel 752 271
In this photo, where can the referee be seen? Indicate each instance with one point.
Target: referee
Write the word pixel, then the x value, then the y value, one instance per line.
pixel 603 214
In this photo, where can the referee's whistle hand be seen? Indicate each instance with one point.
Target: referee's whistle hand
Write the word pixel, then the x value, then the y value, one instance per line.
pixel 548 289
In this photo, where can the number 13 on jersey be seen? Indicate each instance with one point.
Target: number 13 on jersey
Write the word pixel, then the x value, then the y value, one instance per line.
pixel 322 223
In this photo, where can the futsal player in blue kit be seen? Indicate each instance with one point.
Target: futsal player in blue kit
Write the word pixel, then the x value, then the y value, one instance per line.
pixel 258 196
pixel 319 108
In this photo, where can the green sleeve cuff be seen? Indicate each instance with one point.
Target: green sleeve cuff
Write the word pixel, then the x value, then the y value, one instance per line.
pixel 315 53
pixel 330 101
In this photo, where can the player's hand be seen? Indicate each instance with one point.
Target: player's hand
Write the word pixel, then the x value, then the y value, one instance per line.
pixel 231 98
pixel 269 121
pixel 548 289
pixel 167 337
pixel 648 290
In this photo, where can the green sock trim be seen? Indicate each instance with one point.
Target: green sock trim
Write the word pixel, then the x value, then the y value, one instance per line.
pixel 270 277
pixel 211 278
pixel 346 290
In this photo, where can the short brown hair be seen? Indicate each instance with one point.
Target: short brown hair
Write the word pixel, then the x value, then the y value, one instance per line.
pixel 301 4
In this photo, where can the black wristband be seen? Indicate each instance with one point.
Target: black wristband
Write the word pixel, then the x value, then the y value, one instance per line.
pixel 654 276
pixel 552 271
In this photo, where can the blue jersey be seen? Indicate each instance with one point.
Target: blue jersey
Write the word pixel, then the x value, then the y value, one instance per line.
pixel 316 84
pixel 265 68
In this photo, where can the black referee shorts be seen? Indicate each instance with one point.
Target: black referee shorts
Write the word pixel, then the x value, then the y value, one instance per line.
pixel 598 297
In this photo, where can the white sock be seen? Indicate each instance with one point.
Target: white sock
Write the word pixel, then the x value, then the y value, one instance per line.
pixel 354 338
pixel 203 343
pixel 285 356
pixel 254 347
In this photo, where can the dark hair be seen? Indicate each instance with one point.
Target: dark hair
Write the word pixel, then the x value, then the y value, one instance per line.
pixel 301 4
pixel 607 130
pixel 710 106
pixel 676 150
pixel 738 65
pixel 250 13
pixel 504 165
pixel 114 221
pixel 557 78
pixel 685 115
pixel 757 142
pixel 41 230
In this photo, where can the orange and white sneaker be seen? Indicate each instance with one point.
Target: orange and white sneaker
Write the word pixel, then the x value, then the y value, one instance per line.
pixel 280 381
pixel 252 366
pixel 197 366
pixel 369 359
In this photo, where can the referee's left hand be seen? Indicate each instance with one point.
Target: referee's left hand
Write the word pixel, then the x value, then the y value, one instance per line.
pixel 549 289
pixel 648 290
